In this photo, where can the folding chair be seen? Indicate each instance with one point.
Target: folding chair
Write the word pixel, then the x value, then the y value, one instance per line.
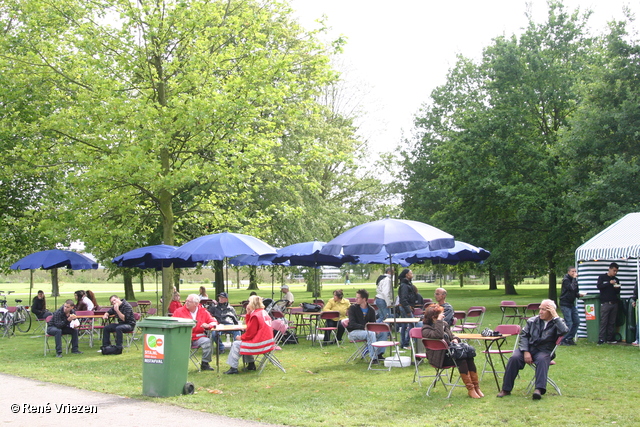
pixel 301 323
pixel 476 313
pixel 361 345
pixel 506 306
pixel 513 330
pixel 549 380
pixel 40 325
pixel 441 373
pixel 280 328
pixel 459 318
pixel 533 308
pixel 152 311
pixel 328 315
pixel 193 356
pixel 131 336
pixel 262 359
pixel 85 329
pixel 378 328
pixel 65 338
pixel 418 358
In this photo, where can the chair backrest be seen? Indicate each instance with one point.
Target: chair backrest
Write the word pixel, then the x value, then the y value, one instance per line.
pixel 152 311
pixel 415 333
pixel 136 315
pixel 460 315
pixel 144 302
pixel 474 312
pixel 418 312
pixel 48 319
pixel 279 326
pixel 377 327
pixel 477 307
pixel 508 329
pixel 352 300
pixel 277 314
pixel 133 304
pixel 434 344
pixel 329 315
pixel 426 302
pixel 84 313
pixel 533 307
pixel 318 301
pixel 507 303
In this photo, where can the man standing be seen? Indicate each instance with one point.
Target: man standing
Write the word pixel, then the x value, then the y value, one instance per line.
pixel 384 295
pixel 225 314
pixel 537 341
pixel 60 324
pixel 609 287
pixel 193 310
pixel 441 295
pixel 568 296
pixel 360 314
pixel 123 312
pixel 287 295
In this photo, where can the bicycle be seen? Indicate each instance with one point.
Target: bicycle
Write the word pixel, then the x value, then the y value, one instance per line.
pixel 13 317
pixel 21 318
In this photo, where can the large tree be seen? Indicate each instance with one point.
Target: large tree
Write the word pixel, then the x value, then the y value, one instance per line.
pixel 485 166
pixel 167 113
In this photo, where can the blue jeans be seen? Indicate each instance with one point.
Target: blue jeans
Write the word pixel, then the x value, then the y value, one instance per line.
pixel 384 312
pixel 361 334
pixel 217 337
pixel 572 319
pixel 404 328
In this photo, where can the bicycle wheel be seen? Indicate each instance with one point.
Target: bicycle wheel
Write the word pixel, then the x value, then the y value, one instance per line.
pixel 23 320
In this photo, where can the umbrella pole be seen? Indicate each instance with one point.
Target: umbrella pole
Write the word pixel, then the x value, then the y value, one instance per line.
pixel 30 285
pixel 157 300
pixel 272 280
pixel 393 298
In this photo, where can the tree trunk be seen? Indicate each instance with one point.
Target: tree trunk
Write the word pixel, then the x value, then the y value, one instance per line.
pixel 237 277
pixel 461 279
pixel 553 280
pixel 219 276
pixel 142 281
pixel 55 289
pixel 493 283
pixel 509 288
pixel 128 284
pixel 253 278
pixel 167 288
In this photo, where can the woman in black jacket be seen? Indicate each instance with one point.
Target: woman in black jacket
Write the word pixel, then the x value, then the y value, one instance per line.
pixel 407 294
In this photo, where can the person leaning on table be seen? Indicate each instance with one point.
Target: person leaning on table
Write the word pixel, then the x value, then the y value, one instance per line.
pixel 436 327
pixel 257 339
pixel 537 341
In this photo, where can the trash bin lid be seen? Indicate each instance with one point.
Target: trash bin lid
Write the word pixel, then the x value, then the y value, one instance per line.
pixel 166 322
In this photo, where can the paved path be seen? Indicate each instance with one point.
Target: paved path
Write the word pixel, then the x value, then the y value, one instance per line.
pixel 23 402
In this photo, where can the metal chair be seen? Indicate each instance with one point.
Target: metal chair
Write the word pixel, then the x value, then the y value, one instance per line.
pixel 328 315
pixel 441 372
pixel 533 308
pixel 262 359
pixel 505 306
pixel 513 330
pixel 549 380
pixel 379 328
pixel 459 318
pixel 361 345
pixel 418 358
pixel 477 313
pixel 65 338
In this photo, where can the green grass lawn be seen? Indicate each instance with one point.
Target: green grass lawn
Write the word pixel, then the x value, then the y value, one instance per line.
pixel 599 383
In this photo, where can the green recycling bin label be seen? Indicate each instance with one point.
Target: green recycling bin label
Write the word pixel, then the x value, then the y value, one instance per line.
pixel 153 348
pixel 590 312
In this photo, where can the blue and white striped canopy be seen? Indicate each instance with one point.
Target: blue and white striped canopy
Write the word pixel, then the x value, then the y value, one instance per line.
pixel 621 240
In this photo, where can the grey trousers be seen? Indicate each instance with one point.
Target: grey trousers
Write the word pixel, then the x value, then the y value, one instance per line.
pixel 608 313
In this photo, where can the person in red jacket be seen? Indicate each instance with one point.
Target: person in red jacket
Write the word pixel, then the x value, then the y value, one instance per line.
pixel 204 322
pixel 258 338
pixel 175 302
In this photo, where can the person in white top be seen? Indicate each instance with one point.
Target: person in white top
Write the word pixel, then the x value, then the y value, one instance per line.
pixel 287 295
pixel 384 288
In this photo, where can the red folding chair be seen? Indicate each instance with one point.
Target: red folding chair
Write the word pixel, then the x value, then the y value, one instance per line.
pixel 549 380
pixel 459 318
pixel 361 345
pixel 418 358
pixel 381 328
pixel 441 372
pixel 328 315
pixel 530 311
pixel 513 330
pixel 509 307
pixel 65 338
pixel 477 314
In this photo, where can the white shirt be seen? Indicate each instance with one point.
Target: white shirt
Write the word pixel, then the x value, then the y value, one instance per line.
pixel 288 296
pixel 383 290
pixel 86 300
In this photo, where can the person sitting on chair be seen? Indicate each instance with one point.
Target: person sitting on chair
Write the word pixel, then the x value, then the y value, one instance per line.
pixel 123 311
pixel 257 339
pixel 441 296
pixel 60 324
pixel 175 303
pixel 204 322
pixel 341 305
pixel 39 306
pixel 537 341
pixel 360 314
pixel 287 295
pixel 435 327
pixel 225 314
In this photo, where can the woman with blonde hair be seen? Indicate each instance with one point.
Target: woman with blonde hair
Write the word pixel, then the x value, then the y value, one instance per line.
pixel 257 339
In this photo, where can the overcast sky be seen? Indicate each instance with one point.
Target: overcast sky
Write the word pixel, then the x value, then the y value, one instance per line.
pixel 399 51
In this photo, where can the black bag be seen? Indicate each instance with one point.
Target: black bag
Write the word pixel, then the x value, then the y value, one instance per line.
pixel 289 338
pixel 461 350
pixel 111 349
pixel 311 308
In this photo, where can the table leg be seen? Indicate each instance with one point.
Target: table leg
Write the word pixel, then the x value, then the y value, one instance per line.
pixel 488 344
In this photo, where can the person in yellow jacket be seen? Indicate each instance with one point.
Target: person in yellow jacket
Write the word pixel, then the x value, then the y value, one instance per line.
pixel 341 305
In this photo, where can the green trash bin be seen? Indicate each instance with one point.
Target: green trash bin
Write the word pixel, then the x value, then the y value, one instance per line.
pixel 592 316
pixel 165 357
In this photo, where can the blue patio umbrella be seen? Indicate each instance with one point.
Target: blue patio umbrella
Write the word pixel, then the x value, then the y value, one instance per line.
pixel 309 254
pixel 52 260
pixel 259 261
pixel 459 253
pixel 216 247
pixel 382 258
pixel 155 256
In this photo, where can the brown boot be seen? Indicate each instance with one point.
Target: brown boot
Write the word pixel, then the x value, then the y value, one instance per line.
pixel 476 382
pixel 470 388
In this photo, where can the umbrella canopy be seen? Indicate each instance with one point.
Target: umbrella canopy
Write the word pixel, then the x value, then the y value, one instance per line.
pixel 216 247
pixel 382 258
pixel 156 256
pixel 257 260
pixel 392 236
pixel 459 253
pixel 55 258
pixel 308 254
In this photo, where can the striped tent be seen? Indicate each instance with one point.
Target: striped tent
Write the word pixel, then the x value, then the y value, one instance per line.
pixel 620 243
